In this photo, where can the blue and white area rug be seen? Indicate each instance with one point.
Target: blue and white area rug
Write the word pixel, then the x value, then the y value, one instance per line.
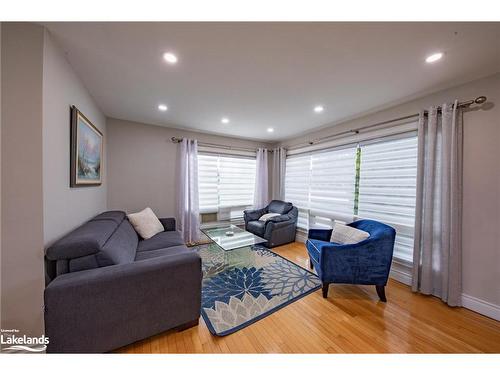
pixel 244 285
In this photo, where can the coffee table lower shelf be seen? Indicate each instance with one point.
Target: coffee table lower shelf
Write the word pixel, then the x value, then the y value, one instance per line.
pixel 239 238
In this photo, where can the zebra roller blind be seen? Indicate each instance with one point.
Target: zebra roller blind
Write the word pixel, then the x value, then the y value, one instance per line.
pixel 374 180
pixel 225 182
pixel 387 188
pixel 321 181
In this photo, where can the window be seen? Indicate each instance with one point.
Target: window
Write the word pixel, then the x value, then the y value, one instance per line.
pixel 226 184
pixel 208 183
pixel 333 176
pixel 322 182
pixel 387 189
pixel 297 183
pixel 370 180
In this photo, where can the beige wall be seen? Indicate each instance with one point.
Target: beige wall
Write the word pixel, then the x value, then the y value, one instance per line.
pixel 22 194
pixel 38 206
pixel 142 164
pixel 481 199
pixel 0 171
pixel 65 208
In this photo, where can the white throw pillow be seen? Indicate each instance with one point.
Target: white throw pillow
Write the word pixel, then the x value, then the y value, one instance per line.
pixel 344 234
pixel 146 223
pixel 266 217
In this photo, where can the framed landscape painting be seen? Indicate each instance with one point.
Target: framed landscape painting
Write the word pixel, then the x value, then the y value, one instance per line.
pixel 86 151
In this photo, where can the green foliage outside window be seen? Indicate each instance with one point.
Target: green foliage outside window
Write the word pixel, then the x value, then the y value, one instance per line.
pixel 356 186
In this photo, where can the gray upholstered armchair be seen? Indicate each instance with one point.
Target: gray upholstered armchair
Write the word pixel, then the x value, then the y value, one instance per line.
pixel 278 230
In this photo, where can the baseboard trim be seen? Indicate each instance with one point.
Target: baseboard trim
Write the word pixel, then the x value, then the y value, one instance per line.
pixel 480 306
pixel 300 236
pixel 400 275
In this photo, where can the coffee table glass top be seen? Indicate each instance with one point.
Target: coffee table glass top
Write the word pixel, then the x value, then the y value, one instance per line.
pixel 240 237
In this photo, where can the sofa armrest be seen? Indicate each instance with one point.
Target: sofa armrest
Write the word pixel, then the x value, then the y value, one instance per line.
pixel 251 215
pixel 279 219
pixel 272 226
pixel 105 308
pixel 168 223
pixel 320 234
pixel 365 262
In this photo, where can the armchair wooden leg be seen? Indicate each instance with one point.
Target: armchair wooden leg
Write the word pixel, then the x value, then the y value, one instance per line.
pixel 325 289
pixel 311 266
pixel 381 292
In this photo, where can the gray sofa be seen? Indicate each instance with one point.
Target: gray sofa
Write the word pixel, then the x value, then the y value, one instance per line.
pixel 278 230
pixel 109 288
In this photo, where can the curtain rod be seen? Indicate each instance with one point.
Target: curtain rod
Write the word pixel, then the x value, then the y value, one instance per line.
pixel 178 140
pixel 468 103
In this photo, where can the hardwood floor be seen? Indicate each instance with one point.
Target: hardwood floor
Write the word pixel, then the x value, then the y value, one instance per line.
pixel 351 320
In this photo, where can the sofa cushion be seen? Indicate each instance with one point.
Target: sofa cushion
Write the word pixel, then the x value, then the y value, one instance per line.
pixel 257 227
pixel 120 247
pixel 173 250
pixel 160 241
pixel 279 207
pixel 345 234
pixel 268 216
pixel 146 223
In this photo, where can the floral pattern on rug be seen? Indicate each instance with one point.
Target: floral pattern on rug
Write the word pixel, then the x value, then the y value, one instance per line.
pixel 236 283
pixel 226 316
pixel 244 285
pixel 287 279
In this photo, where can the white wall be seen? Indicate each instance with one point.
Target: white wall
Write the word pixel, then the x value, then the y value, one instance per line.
pixel 481 191
pixel 65 208
pixel 143 164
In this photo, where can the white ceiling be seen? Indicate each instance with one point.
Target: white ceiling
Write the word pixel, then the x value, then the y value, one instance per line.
pixel 264 75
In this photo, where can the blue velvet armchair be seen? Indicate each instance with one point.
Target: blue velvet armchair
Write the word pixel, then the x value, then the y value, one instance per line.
pixel 367 262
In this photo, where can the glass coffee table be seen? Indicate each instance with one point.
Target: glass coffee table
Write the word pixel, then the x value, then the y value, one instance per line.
pixel 239 238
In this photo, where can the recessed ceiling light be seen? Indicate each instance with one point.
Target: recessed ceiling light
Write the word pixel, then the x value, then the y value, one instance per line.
pixel 270 130
pixel 162 107
pixel 225 120
pixel 170 57
pixel 434 57
pixel 318 109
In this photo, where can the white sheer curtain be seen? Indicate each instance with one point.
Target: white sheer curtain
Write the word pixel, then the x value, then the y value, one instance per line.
pixel 188 211
pixel 261 194
pixel 437 256
pixel 278 173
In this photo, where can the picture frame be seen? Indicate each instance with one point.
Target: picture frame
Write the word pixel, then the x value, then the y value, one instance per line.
pixel 86 153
